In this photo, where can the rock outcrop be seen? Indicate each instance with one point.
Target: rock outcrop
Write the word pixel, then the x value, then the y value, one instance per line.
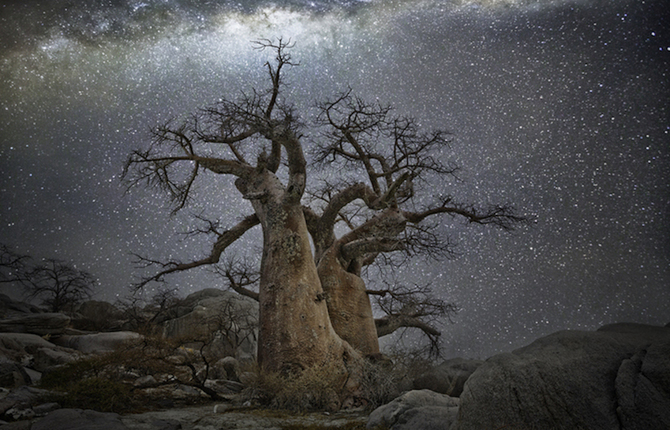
pixel 25 356
pixel 40 324
pixel 418 409
pixel 21 399
pixel 21 317
pixel 95 315
pixel 98 342
pixel 448 377
pixel 10 308
pixel 615 378
pixel 226 321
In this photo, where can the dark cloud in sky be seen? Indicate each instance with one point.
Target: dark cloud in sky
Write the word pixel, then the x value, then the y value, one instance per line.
pixel 560 108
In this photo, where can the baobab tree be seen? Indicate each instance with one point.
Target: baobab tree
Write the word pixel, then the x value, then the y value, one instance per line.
pixel 314 306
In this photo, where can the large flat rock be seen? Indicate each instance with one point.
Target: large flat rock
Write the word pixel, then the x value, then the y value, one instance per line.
pixel 39 324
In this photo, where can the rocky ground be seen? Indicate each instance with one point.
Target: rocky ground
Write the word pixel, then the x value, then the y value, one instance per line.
pixel 221 417
pixel 210 417
pixel 614 378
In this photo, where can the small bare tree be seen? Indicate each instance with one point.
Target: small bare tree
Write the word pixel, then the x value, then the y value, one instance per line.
pixel 143 315
pixel 233 325
pixel 13 266
pixel 59 285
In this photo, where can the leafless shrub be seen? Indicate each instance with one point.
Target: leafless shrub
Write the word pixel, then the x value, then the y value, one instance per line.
pixel 314 388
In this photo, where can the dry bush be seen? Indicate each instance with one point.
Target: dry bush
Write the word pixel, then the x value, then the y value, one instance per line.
pixel 114 374
pixel 323 387
pixel 86 384
pixel 168 362
pixel 379 382
pixel 413 368
pixel 315 388
pixel 100 394
pixel 386 377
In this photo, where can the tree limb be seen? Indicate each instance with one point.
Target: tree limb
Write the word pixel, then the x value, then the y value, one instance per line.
pixel 358 248
pixel 390 323
pixel 224 240
pixel 238 288
pixel 503 217
pixel 410 306
pixel 346 196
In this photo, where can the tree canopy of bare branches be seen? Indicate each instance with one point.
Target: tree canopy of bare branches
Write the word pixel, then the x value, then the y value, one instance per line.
pixel 317 236
pixel 58 285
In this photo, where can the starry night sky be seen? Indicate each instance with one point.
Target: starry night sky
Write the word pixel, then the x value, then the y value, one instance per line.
pixel 560 108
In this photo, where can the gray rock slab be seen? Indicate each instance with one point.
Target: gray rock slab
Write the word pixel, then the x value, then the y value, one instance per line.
pixel 448 377
pixel 95 315
pixel 643 402
pixel 39 324
pixel 427 418
pixel 21 425
pixel 98 342
pixel 47 358
pixel 13 375
pixel 22 397
pixel 24 340
pixel 207 311
pixel 574 380
pixel 10 307
pixel 224 417
pixel 391 413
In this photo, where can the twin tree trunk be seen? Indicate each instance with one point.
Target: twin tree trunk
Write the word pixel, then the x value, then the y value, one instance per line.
pixel 295 329
pixel 314 309
pixel 348 304
pixel 301 325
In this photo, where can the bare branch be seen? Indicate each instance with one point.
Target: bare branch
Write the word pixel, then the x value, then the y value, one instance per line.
pixel 210 227
pixel 224 240
pixel 410 306
pixel 387 147
pixel 160 165
pixel 240 275
pixel 423 239
pixel 503 217
pixel 13 266
pixel 372 245
pixel 350 116
pixel 282 58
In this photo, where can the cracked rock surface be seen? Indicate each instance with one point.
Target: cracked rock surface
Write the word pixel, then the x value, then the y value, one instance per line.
pixel 615 378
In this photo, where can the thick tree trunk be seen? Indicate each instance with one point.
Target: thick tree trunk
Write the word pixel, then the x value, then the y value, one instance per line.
pixel 295 331
pixel 348 304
